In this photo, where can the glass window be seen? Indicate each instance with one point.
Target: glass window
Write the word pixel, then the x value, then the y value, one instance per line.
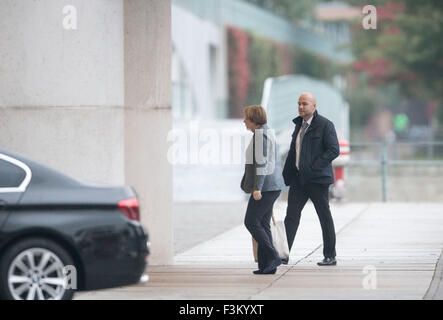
pixel 11 176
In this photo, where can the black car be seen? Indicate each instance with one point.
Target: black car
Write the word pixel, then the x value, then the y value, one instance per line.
pixel 59 235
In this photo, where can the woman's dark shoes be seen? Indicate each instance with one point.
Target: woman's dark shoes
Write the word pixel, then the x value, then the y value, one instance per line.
pixel 261 272
pixel 272 266
pixel 327 262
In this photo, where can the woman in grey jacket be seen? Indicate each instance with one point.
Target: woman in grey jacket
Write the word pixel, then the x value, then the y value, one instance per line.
pixel 264 180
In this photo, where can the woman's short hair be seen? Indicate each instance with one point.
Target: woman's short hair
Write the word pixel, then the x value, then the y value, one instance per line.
pixel 256 114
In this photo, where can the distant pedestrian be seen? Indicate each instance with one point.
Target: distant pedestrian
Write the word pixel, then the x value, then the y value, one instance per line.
pixel 264 180
pixel 308 172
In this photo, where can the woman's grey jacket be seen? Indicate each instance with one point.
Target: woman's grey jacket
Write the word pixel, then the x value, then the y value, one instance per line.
pixel 261 169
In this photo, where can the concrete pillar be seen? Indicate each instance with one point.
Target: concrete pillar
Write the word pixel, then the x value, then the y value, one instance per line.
pixel 147 52
pixel 93 102
pixel 62 90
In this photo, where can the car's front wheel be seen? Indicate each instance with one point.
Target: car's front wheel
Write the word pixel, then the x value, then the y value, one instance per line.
pixel 36 269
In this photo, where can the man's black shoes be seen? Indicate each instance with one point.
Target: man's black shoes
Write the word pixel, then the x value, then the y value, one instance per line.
pixel 285 260
pixel 327 262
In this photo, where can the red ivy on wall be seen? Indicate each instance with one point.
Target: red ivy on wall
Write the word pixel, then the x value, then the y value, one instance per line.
pixel 238 70
pixel 286 58
pixel 253 58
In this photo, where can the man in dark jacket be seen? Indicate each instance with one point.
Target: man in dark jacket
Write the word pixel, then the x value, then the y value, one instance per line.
pixel 308 172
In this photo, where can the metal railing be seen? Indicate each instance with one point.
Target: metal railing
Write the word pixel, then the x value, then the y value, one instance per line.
pixel 389 155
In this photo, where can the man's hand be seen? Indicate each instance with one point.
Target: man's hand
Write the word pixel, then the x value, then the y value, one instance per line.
pixel 257 195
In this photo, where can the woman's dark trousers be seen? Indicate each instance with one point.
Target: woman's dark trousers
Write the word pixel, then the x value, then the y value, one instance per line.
pixel 257 221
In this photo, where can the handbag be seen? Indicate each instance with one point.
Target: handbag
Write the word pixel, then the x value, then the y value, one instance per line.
pixel 279 240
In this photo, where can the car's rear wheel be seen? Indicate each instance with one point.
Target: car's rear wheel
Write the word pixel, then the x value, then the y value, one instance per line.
pixel 35 269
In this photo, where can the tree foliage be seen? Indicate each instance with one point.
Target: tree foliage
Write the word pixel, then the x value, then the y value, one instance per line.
pixel 406 48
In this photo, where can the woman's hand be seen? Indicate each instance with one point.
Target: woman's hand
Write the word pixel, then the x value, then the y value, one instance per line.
pixel 257 195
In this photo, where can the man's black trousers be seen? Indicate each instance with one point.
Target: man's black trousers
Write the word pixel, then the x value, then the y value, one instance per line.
pixel 297 198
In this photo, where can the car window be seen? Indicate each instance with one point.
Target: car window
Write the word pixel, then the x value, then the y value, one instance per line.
pixel 11 176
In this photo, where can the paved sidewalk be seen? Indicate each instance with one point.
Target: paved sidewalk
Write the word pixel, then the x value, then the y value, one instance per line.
pixel 197 222
pixel 397 244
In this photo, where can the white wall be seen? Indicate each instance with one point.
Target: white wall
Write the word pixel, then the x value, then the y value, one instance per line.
pixel 192 37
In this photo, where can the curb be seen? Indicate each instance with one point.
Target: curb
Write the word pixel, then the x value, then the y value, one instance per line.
pixel 435 290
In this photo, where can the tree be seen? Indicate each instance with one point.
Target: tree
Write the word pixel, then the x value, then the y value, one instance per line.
pixel 407 48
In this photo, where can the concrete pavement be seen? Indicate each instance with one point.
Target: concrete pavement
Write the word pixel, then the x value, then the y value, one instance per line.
pixel 197 222
pixel 384 251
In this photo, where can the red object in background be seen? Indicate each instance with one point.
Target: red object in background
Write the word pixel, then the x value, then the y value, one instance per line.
pixel 339 164
pixel 342 160
pixel 344 147
pixel 339 173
